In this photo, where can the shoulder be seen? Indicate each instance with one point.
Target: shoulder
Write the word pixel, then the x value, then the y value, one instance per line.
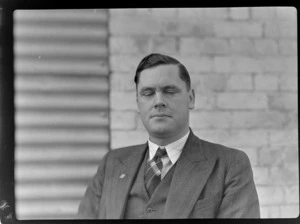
pixel 221 152
pixel 125 151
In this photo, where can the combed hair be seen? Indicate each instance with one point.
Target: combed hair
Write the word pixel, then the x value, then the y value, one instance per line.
pixel 153 60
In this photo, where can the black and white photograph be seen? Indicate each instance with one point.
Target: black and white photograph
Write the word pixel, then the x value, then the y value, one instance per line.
pixel 151 113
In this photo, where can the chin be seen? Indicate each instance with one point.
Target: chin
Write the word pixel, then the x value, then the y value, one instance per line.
pixel 159 130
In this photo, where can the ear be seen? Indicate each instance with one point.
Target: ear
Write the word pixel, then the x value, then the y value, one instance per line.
pixel 192 99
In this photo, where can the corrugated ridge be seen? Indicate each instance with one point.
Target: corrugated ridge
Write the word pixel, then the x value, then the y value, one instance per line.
pixel 61 108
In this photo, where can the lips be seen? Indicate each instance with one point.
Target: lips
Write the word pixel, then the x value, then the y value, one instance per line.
pixel 160 115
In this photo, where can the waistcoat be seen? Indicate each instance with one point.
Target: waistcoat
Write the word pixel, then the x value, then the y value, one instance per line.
pixel 139 205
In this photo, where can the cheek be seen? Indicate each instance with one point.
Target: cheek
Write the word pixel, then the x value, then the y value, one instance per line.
pixel 144 109
pixel 179 105
pixel 181 111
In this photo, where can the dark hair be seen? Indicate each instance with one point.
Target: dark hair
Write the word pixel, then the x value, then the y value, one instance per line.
pixel 153 60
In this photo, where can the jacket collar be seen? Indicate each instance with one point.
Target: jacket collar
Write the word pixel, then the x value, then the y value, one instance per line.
pixel 192 149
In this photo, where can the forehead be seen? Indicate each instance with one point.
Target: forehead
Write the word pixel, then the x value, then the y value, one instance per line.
pixel 161 75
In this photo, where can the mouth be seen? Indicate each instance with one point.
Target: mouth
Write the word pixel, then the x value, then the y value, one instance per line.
pixel 160 115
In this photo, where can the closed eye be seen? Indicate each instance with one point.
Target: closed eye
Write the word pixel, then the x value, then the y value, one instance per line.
pixel 147 92
pixel 171 90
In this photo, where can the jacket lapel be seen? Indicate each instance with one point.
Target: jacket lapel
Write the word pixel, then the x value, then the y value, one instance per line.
pixel 189 178
pixel 124 172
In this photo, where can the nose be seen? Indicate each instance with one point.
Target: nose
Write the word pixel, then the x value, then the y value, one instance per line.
pixel 159 101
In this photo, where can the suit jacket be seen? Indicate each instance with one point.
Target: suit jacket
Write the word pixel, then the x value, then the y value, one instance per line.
pixel 209 181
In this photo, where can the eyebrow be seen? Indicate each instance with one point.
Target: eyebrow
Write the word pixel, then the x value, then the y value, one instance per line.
pixel 171 87
pixel 164 87
pixel 147 88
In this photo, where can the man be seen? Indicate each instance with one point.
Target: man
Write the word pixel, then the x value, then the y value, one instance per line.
pixel 175 174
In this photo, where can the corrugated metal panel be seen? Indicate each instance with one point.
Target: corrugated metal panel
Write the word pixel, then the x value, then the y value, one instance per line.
pixel 61 99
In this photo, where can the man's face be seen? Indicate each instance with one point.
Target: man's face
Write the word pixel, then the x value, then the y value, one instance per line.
pixel 164 101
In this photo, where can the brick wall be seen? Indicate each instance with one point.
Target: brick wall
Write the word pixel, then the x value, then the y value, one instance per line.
pixel 243 66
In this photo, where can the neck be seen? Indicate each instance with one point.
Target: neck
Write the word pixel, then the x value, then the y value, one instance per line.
pixel 165 140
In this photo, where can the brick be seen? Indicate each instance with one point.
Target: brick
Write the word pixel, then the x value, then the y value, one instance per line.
pixel 239 13
pixel 269 195
pixel 239 82
pixel 289 83
pixel 128 45
pixel 291 155
pixel 263 13
pixel 164 45
pixel 130 12
pixel 197 64
pixel 283 137
pixel 266 82
pixel 216 13
pixel 203 13
pixel 187 27
pixel 289 211
pixel 122 82
pixel 215 46
pixel 123 120
pixel 222 64
pixel 292 120
pixel 242 101
pixel 134 25
pixel 269 212
pixel 204 102
pixel 242 46
pixel 213 135
pixel 247 138
pixel 203 46
pixel 123 101
pixel 279 64
pixel 234 138
pixel 172 27
pixel 260 175
pixel 283 101
pixel 281 29
pixel 284 175
pixel 291 65
pixel 227 29
pixel 246 64
pixel 265 46
pixel 165 12
pixel 259 119
pixel 286 13
pixel 124 63
pixel 127 138
pixel 238 29
pixel 214 83
pixel 292 194
pixel 185 13
pixel 252 153
pixel 271 156
pixel 191 45
pixel 211 119
pixel 288 47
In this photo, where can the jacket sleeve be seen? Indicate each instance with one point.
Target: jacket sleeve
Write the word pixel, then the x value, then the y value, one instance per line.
pixel 90 204
pixel 240 199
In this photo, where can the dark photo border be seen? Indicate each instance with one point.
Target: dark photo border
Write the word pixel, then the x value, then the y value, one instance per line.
pixel 7 109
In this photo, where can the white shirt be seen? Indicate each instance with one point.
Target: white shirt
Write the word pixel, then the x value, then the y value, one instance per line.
pixel 173 149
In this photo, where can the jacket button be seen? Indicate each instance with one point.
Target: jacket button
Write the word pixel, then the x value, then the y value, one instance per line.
pixel 149 210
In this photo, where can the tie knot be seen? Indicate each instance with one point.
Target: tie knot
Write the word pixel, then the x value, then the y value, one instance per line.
pixel 161 152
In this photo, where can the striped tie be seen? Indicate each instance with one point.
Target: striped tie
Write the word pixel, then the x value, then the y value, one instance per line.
pixel 153 171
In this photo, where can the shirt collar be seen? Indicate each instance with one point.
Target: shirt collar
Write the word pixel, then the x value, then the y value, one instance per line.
pixel 173 149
